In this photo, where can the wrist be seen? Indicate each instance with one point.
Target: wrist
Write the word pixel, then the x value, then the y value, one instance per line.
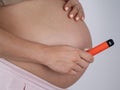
pixel 38 53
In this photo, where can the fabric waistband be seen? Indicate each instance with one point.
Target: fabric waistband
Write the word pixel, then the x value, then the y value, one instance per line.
pixel 28 76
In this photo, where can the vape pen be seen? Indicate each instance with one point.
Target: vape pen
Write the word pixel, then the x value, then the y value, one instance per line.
pixel 101 47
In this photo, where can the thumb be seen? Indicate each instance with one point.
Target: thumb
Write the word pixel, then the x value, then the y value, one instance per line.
pixel 86 49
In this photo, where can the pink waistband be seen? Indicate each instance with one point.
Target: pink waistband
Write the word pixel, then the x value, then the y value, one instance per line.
pixel 28 76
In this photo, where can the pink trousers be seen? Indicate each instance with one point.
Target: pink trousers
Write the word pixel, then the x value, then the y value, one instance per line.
pixel 15 78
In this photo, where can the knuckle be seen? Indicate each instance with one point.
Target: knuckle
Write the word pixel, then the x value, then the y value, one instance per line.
pixel 74 51
pixel 86 65
pixel 68 69
pixel 80 13
pixel 90 58
pixel 69 3
pixel 66 6
pixel 75 59
pixel 77 7
pixel 74 11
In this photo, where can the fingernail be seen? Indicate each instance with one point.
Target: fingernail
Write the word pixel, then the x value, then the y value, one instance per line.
pixel 71 15
pixel 86 49
pixel 83 18
pixel 66 8
pixel 77 18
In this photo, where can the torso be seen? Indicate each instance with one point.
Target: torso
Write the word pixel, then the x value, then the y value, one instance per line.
pixel 45 21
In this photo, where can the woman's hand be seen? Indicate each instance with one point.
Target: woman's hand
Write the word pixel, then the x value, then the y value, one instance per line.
pixel 75 9
pixel 66 59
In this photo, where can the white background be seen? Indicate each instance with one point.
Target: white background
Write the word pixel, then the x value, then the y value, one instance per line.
pixel 103 20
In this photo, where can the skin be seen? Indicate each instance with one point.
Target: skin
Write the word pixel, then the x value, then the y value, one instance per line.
pixel 75 8
pixel 45 40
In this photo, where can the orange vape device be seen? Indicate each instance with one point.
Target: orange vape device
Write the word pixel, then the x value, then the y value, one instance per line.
pixel 101 47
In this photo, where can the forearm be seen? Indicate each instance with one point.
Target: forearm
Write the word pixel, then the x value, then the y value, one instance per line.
pixel 13 46
pixel 8 2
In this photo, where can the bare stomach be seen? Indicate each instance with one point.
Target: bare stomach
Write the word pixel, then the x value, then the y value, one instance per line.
pixel 44 21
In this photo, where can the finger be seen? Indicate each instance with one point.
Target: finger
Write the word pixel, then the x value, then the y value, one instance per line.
pixel 82 12
pixel 67 6
pixel 77 68
pixel 83 64
pixel 80 15
pixel 73 12
pixel 86 56
pixel 72 72
pixel 85 49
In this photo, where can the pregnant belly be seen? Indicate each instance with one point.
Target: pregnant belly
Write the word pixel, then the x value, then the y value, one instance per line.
pixel 44 21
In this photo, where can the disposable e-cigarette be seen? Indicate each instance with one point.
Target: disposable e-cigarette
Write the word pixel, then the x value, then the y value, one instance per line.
pixel 101 47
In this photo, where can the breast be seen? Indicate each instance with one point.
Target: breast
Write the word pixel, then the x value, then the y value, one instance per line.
pixel 45 22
